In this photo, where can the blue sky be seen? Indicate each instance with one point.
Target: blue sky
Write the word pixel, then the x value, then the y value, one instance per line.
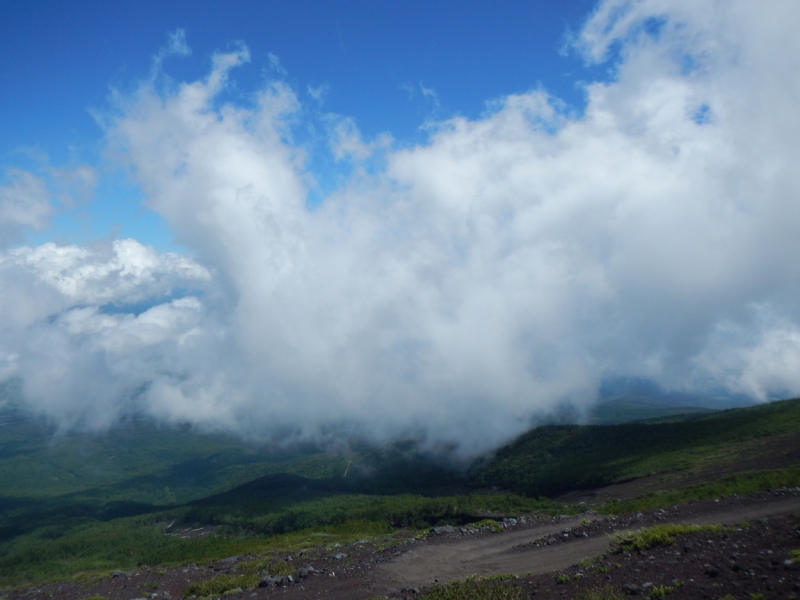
pixel 391 66
pixel 441 219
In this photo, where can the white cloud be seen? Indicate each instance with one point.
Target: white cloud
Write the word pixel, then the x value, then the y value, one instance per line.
pixel 124 271
pixel 504 267
pixel 319 93
pixel 24 205
pixel 80 364
pixel 276 65
pixel 176 46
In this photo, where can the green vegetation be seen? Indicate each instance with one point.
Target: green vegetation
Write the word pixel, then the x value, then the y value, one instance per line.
pixel 221 584
pixel 658 535
pixel 484 589
pixel 93 503
pixel 125 543
pixel 661 591
pixel 739 483
pixel 559 458
pixel 605 592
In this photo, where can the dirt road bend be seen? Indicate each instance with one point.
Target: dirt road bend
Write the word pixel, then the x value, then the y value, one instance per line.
pixel 554 546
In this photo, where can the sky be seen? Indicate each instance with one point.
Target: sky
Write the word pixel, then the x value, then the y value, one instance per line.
pixel 314 220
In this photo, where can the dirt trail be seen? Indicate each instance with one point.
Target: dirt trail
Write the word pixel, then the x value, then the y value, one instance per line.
pixel 516 552
pixel 732 515
pixel 505 553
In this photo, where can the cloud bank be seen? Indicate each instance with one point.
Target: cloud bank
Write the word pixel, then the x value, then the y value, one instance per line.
pixel 461 287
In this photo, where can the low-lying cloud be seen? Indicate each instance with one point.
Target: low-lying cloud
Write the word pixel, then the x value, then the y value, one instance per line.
pixel 503 268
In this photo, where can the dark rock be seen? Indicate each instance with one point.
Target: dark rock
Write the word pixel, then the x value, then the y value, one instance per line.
pixel 710 570
pixel 442 529
pixel 304 572
pixel 273 581
pixel 631 589
pixel 268 581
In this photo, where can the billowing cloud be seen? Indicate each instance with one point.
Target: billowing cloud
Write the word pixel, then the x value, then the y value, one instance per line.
pixel 506 266
pixel 68 331
pixel 122 272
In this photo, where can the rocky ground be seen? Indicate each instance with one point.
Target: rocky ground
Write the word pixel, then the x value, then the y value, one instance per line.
pixel 552 558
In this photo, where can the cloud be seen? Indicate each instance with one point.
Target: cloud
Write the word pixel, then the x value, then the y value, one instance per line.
pixel 123 272
pixel 83 357
pixel 24 205
pixel 275 64
pixel 176 46
pixel 506 266
pixel 319 93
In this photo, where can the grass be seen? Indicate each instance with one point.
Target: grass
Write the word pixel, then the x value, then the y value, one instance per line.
pixel 658 535
pixel 740 483
pixel 555 459
pixel 493 589
pixel 219 585
pixel 603 592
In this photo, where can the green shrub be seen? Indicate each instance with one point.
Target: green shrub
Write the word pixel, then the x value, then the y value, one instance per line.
pixel 605 592
pixel 219 585
pixel 480 590
pixel 658 535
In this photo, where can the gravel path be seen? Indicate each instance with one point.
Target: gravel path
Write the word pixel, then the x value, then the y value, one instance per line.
pixel 514 552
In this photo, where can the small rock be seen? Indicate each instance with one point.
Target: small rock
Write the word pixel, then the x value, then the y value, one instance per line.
pixel 268 581
pixel 443 529
pixel 305 571
pixel 710 570
pixel 339 556
pixel 631 589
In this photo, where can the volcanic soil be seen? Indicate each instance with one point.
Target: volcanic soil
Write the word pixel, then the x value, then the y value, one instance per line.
pixel 552 558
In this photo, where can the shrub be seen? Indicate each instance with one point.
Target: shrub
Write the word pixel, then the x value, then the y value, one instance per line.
pixel 659 535
pixel 605 592
pixel 480 590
